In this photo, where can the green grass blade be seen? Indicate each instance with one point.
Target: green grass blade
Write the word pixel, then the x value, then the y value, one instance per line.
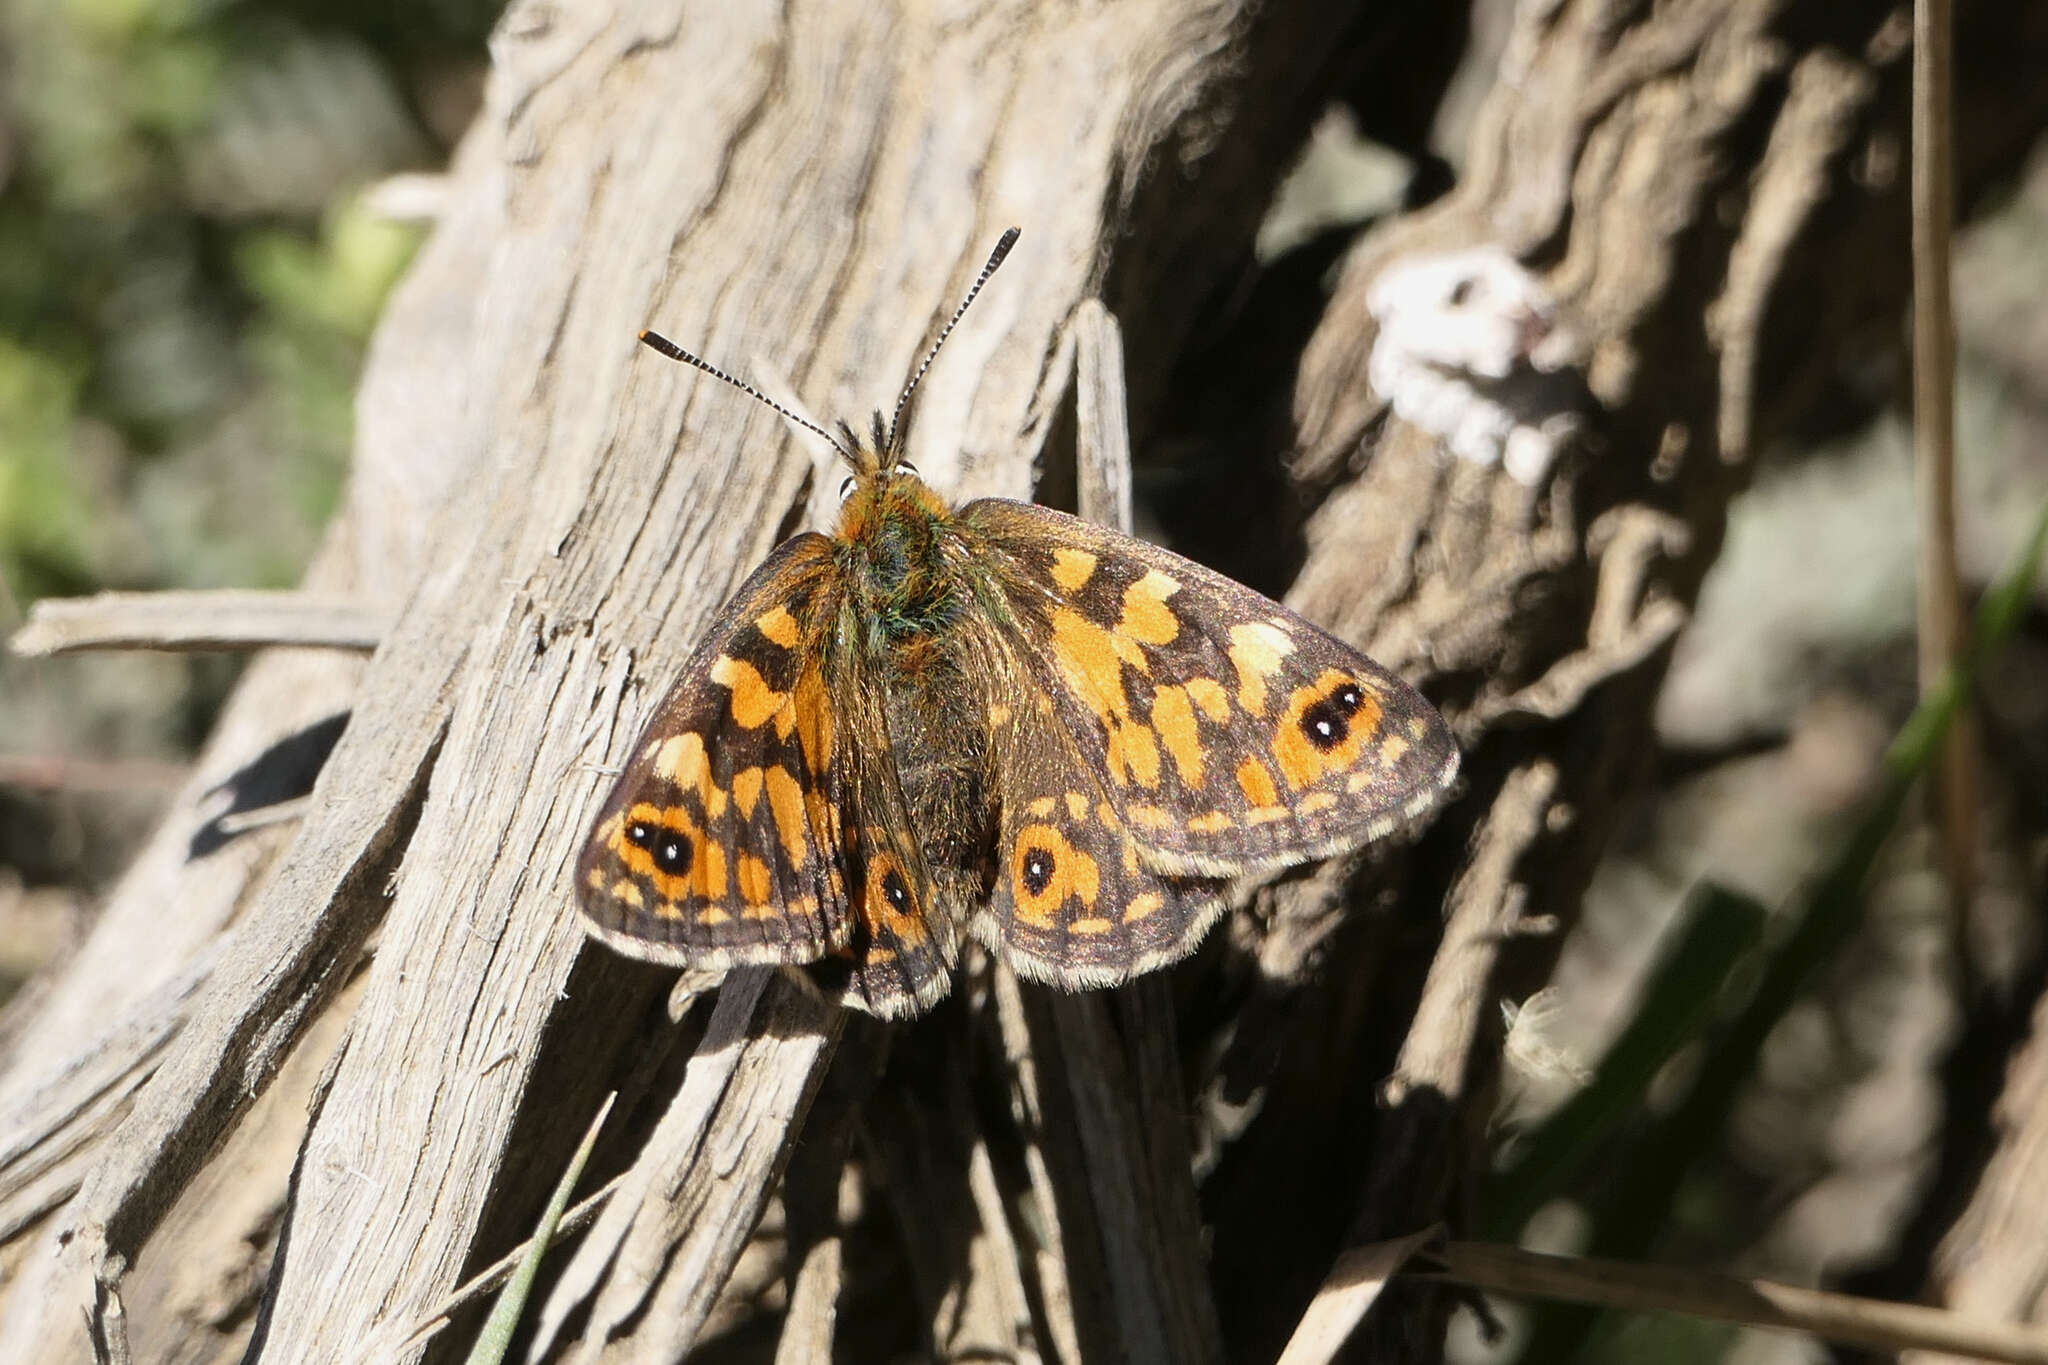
pixel 496 1337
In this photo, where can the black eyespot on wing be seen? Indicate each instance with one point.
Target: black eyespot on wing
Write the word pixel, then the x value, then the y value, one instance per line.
pixel 1039 867
pixel 1325 724
pixel 673 852
pixel 640 834
pixel 1328 723
pixel 897 892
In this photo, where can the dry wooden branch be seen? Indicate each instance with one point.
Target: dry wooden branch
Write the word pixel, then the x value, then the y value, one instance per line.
pixel 557 512
pixel 1944 626
pixel 1756 1303
pixel 564 562
pixel 232 619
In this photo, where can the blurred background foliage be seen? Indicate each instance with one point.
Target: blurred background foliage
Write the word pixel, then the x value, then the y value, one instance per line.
pixel 189 271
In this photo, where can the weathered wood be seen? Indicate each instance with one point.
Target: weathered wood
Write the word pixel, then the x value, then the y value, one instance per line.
pixel 565 556
pixel 228 619
pixel 805 189
pixel 1653 167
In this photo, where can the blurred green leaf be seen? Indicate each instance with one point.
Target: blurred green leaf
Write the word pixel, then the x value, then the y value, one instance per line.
pixel 44 514
pixel 1717 930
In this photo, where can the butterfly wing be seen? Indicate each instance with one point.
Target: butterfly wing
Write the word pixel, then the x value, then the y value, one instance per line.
pixel 1234 736
pixel 1071 900
pixel 754 825
pixel 722 842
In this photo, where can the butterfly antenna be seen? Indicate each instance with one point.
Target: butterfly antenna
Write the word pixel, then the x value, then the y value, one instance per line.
pixel 655 341
pixel 995 258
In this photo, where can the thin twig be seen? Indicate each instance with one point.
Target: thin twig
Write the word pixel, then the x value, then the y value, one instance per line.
pixel 241 822
pixel 1942 627
pixel 1353 1286
pixel 62 773
pixel 230 619
pixel 1727 1298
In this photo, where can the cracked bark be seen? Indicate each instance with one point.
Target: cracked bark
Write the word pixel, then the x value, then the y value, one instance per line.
pixel 807 189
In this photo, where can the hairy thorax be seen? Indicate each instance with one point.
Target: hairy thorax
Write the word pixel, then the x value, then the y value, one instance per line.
pixel 912 601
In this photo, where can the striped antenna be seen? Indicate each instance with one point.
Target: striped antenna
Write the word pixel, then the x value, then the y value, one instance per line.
pixel 657 342
pixel 995 258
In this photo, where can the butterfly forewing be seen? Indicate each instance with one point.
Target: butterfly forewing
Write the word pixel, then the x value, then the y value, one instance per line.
pixel 722 843
pixel 1231 735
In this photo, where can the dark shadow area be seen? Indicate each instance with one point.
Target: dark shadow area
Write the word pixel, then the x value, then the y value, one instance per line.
pixel 283 772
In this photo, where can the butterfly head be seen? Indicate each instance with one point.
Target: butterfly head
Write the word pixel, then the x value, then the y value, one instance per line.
pixel 882 488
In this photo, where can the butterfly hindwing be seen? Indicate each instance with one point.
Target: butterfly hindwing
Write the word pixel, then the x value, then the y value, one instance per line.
pixel 723 842
pixel 1232 735
pixel 1071 901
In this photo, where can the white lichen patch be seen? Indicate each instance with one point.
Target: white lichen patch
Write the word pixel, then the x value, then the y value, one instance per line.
pixel 1471 349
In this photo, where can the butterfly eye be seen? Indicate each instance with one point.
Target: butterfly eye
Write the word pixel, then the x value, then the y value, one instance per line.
pixel 846 487
pixel 906 467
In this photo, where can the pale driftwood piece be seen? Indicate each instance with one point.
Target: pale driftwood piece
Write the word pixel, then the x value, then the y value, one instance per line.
pixel 227 619
pixel 575 510
pixel 1347 1296
pixel 682 1243
pixel 1993 1262
pixel 1485 905
pixel 1102 418
pixel 193 1291
pixel 813 1304
pixel 48 1136
pixel 284 812
pixel 1846 1318
pixel 846 306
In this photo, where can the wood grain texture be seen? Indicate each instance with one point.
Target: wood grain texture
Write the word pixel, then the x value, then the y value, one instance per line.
pixel 549 513
pixel 809 184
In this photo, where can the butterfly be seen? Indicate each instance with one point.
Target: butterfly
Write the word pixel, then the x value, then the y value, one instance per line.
pixel 995 721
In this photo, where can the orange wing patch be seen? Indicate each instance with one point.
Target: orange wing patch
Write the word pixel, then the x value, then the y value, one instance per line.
pixel 1326 727
pixel 1256 651
pixel 1146 617
pixel 1072 569
pixel 1173 716
pixel 664 845
pixel 1046 871
pixel 753 700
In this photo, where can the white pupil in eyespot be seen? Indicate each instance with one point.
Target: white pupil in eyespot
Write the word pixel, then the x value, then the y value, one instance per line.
pixel 846 487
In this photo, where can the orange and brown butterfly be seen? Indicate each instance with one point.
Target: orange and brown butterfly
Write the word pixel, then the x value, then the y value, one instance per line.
pixel 995 721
